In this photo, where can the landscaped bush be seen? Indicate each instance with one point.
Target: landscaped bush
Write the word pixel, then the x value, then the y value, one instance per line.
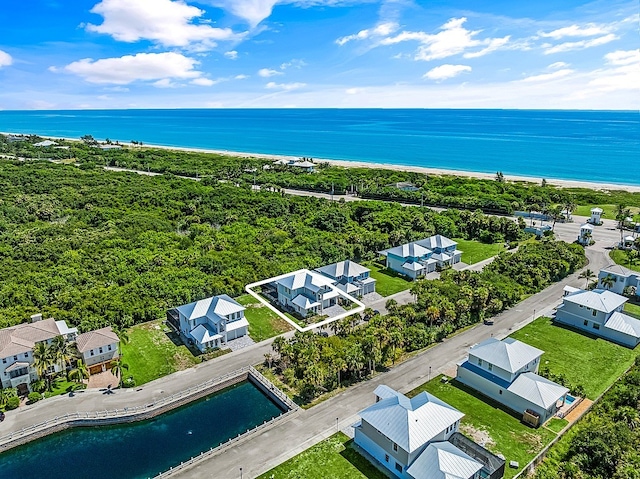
pixel 129 382
pixel 34 397
pixel 12 403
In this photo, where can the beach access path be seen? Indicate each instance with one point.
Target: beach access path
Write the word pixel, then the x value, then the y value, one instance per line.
pixel 262 451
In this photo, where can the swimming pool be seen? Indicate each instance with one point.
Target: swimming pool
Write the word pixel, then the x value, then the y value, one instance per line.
pixel 569 399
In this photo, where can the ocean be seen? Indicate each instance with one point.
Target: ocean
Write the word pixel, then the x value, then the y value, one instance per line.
pixel 597 146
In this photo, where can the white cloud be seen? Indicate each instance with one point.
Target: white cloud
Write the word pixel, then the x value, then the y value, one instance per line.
pixel 380 30
pixel 202 82
pixel 253 11
pixel 267 72
pixel 579 45
pixel 588 30
pixel 622 57
pixel 548 76
pixel 165 83
pixel 445 71
pixel 284 86
pixel 353 91
pixel 5 59
pixel 293 64
pixel 167 22
pixel 129 68
pixel 241 77
pixel 494 44
pixel 557 65
pixel 232 54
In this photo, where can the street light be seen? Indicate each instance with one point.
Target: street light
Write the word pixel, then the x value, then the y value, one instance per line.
pixel 337 429
pixel 240 473
pixel 429 374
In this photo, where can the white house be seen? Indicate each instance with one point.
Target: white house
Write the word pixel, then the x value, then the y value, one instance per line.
pixel 623 278
pixel 586 233
pixel 16 349
pixel 45 143
pixel 420 258
pixel 350 277
pixel 211 322
pixel 306 292
pixel 99 349
pixel 596 214
pixel 599 312
pixel 505 371
pixel 411 438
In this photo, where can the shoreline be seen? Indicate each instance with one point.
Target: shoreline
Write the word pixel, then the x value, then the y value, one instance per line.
pixel 562 183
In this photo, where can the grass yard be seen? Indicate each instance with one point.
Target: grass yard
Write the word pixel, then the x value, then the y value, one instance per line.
pixel 556 424
pixel 593 362
pixel 332 458
pixel 620 257
pixel 151 354
pixel 387 282
pixel 263 323
pixel 632 310
pixel 507 435
pixel 475 251
pixel 62 386
pixel 609 211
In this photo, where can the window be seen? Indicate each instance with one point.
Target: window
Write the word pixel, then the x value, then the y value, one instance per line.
pixel 4 360
pixel 100 350
pixel 586 323
pixel 26 355
pixel 500 391
pixel 92 352
pixel 386 457
pixel 109 347
pixel 15 358
pixel 490 366
pixel 596 326
pixel 395 447
pixel 479 362
pixel 594 312
pixel 398 467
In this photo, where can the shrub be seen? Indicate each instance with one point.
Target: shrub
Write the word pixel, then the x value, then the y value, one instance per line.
pixel 13 403
pixel 34 397
pixel 130 382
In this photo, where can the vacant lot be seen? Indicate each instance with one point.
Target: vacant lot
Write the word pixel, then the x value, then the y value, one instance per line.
pixel 387 282
pixel 474 251
pixel 263 323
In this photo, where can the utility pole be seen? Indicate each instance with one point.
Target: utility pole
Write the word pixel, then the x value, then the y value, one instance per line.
pixel 332 191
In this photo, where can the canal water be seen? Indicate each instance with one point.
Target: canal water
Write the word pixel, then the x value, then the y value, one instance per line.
pixel 143 449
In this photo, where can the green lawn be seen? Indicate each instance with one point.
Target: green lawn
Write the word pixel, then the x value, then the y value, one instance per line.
pixel 620 257
pixel 556 424
pixel 332 458
pixel 150 353
pixel 387 282
pixel 632 309
pixel 62 386
pixel 263 323
pixel 593 362
pixel 609 211
pixel 475 251
pixel 508 436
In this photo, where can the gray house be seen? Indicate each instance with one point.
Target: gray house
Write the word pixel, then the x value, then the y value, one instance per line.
pixel 350 277
pixel 420 258
pixel 306 293
pixel 505 371
pixel 599 312
pixel 411 438
pixel 211 322
pixel 622 276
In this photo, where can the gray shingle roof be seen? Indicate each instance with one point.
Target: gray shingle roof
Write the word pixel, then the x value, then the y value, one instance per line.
pixel 411 423
pixel 508 354
pixel 598 299
pixel 23 337
pixel 96 339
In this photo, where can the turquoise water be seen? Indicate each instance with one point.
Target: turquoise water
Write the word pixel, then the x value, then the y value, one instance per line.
pixel 599 146
pixel 569 399
pixel 143 449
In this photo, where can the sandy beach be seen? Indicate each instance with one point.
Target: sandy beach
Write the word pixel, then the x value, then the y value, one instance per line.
pixel 388 166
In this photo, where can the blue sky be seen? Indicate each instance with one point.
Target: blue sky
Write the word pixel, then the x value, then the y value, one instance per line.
pixel 57 54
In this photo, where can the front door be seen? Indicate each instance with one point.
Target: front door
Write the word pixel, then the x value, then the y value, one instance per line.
pixel 23 389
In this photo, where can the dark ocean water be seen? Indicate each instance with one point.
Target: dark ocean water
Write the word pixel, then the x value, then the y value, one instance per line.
pixel 599 146
pixel 143 449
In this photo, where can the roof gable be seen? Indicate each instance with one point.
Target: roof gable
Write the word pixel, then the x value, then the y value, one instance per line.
pixel 598 299
pixel 624 324
pixel 96 339
pixel 23 337
pixel 305 279
pixel 221 305
pixel 343 268
pixel 443 460
pixel 508 354
pixel 538 390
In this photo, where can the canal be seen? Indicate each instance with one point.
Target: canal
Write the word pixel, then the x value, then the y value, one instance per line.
pixel 143 449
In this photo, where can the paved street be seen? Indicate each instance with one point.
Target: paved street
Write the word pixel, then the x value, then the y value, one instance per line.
pixel 269 448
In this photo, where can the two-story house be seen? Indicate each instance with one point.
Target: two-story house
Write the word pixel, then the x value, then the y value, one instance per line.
pixel 306 292
pixel 16 350
pixel 210 322
pixel 621 277
pixel 420 258
pixel 412 438
pixel 506 371
pixel 98 349
pixel 599 312
pixel 350 277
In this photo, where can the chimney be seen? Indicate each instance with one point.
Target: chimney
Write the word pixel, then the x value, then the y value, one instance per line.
pixel 36 317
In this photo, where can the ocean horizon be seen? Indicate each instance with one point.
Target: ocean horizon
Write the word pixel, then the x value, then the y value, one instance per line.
pixel 592 146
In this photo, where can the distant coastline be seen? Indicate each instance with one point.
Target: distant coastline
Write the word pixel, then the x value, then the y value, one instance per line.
pixel 563 183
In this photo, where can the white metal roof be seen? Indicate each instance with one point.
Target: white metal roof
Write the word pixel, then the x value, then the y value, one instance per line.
pixel 596 210
pixel 586 226
pixel 383 392
pixel 45 143
pixel 304 164
pixel 411 423
pixel 436 241
pixel 441 257
pixel 237 324
pixel 443 460
pixel 303 279
pixel 343 268
pixel 508 354
pixel 618 270
pixel 624 324
pixel 413 250
pixel 537 390
pixel 221 305
pixel 303 302
pixel 413 266
pixel 203 333
pixel 64 329
pixel 598 299
pixel 570 289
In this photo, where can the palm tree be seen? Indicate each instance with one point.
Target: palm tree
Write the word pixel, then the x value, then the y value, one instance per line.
pixel 62 352
pixel 117 368
pixel 569 206
pixel 608 281
pixel 43 359
pixel 556 213
pixel 588 275
pixel 433 313
pixel 622 213
pixel 123 336
pixel 6 394
pixel 80 372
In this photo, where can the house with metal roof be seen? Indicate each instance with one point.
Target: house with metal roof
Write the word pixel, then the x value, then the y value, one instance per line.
pixel 410 438
pixel 596 216
pixel 420 258
pixel 600 312
pixel 210 322
pixel 506 371
pixel 350 277
pixel 306 292
pixel 99 349
pixel 622 279
pixel 586 233
pixel 16 349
